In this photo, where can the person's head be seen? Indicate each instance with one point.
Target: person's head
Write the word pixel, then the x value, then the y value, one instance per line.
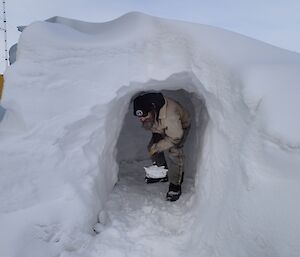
pixel 146 107
pixel 148 120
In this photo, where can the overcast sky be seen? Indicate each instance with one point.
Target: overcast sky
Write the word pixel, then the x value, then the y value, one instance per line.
pixel 273 21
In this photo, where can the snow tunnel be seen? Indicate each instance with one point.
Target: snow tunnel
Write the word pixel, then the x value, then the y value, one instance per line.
pixel 133 139
pixel 212 151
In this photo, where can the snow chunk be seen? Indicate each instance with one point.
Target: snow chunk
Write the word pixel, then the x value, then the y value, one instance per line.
pixel 155 172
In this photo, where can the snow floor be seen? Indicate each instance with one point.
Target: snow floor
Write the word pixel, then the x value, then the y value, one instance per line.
pixel 140 221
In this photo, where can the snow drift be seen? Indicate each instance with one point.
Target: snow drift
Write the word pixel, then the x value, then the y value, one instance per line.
pixel 68 126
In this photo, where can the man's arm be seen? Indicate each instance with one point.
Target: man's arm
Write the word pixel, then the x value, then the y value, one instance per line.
pixel 173 135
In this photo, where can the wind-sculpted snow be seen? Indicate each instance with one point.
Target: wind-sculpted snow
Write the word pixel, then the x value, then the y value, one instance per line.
pixel 68 134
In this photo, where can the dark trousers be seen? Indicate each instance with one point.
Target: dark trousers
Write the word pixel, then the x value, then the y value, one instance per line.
pixel 174 157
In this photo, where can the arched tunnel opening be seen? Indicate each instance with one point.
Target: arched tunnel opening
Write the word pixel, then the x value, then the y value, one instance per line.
pixel 133 139
pixel 139 210
pixel 210 153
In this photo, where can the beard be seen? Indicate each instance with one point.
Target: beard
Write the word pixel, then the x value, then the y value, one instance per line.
pixel 148 124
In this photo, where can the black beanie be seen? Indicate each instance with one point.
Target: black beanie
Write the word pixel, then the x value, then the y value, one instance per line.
pixel 148 102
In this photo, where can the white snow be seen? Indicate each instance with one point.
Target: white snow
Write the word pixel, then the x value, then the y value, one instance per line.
pixel 154 171
pixel 72 153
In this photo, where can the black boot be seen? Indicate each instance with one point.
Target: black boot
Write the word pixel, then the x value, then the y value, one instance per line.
pixel 156 180
pixel 173 193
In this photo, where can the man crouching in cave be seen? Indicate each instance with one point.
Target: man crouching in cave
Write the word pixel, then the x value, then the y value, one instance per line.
pixel 169 123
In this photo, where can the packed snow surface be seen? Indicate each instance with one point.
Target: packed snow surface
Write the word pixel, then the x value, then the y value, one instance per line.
pixel 72 154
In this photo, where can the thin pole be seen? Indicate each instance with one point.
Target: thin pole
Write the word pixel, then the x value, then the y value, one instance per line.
pixel 5 35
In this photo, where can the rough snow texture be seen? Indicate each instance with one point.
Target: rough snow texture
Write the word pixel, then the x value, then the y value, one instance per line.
pixel 69 125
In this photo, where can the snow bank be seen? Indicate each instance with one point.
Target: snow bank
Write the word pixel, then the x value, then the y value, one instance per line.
pixel 68 99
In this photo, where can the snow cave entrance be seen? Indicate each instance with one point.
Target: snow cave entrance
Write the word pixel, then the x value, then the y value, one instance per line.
pixel 133 139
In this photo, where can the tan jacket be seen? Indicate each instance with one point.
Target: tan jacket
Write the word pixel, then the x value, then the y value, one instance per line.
pixel 172 120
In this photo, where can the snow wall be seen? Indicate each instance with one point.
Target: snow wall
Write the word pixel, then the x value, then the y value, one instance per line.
pixel 68 98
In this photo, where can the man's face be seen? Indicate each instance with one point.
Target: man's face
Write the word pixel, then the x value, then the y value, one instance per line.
pixel 147 121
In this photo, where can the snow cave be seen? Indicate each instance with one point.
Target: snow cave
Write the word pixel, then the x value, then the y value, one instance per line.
pixel 69 124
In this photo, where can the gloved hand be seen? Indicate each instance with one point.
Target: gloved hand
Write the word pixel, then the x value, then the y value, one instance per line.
pixel 153 150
